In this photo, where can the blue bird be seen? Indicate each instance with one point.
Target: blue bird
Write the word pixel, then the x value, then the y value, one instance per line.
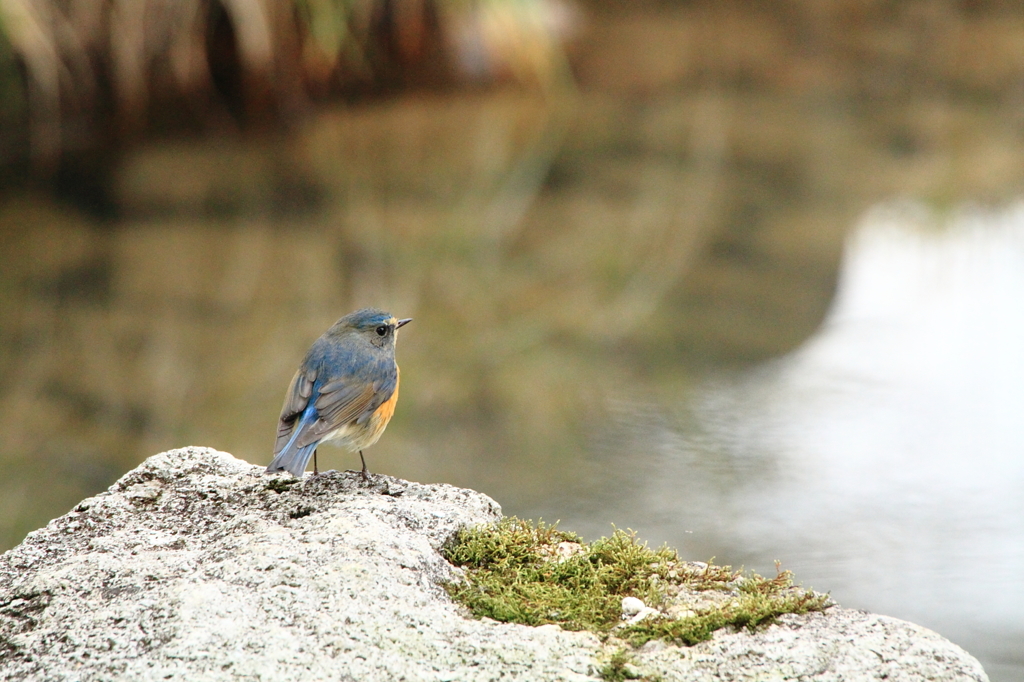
pixel 345 391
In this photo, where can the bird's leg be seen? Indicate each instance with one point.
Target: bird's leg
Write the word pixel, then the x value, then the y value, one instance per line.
pixel 366 474
pixel 315 470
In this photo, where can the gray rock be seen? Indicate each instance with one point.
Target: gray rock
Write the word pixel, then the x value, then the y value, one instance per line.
pixel 199 566
pixel 836 645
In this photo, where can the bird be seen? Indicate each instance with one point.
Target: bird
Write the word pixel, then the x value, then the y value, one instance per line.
pixel 344 391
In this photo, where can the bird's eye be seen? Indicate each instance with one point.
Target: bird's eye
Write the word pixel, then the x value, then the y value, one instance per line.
pixel 382 330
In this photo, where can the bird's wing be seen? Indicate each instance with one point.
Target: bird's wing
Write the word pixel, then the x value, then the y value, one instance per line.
pixel 295 401
pixel 339 402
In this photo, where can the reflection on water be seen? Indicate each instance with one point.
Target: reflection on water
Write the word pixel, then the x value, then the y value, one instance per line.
pixel 551 251
pixel 884 459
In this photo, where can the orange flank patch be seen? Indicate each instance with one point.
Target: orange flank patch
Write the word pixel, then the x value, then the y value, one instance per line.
pixel 383 414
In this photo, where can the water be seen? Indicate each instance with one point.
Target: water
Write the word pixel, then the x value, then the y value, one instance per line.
pixel 883 460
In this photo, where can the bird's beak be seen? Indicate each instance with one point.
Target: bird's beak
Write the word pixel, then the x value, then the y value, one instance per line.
pixel 402 323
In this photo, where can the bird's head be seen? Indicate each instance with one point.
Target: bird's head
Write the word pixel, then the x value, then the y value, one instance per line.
pixel 377 326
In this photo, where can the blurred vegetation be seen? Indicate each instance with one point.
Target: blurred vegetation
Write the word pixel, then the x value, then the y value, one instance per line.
pixel 96 74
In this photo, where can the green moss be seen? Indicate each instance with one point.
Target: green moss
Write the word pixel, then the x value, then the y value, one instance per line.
pixel 618 668
pixel 521 572
pixel 279 485
pixel 748 610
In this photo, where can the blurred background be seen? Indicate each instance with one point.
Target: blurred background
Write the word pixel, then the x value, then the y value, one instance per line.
pixel 745 277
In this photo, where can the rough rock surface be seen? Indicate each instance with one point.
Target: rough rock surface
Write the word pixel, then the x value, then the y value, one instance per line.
pixel 199 566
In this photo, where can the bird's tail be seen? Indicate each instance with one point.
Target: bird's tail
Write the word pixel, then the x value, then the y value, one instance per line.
pixel 293 458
